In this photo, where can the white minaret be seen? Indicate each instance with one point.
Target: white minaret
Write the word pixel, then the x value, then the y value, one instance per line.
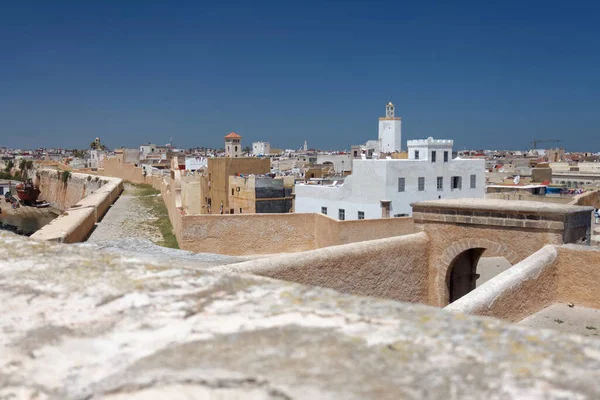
pixel 390 131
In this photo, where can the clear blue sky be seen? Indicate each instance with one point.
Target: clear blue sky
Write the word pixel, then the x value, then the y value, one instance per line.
pixel 486 75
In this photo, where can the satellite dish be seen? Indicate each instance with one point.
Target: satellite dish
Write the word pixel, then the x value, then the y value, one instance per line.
pixel 517 179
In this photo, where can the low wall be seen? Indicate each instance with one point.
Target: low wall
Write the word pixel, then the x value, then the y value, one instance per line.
pixel 516 293
pixel 75 224
pixel 591 198
pixel 247 234
pixel 554 274
pixel 523 196
pixel 392 268
pixel 579 275
pixel 64 194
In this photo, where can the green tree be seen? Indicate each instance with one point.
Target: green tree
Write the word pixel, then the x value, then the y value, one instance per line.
pixel 94 145
pixel 247 150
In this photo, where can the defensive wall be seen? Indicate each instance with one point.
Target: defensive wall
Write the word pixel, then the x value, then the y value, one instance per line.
pixel 62 189
pixel 554 274
pixel 79 218
pixel 252 234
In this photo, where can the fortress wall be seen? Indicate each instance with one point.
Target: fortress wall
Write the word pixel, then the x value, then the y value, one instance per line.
pixel 579 275
pixel 63 195
pixel 245 234
pixel 75 224
pixel 392 268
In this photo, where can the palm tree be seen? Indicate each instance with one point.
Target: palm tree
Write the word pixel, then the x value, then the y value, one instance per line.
pixel 94 145
pixel 9 166
pixel 247 150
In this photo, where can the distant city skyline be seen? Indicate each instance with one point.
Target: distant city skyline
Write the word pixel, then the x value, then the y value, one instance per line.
pixel 488 77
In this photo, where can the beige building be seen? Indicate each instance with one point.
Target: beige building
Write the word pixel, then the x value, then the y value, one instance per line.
pixel 260 194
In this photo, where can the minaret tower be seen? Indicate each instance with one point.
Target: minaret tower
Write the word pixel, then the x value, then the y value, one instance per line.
pixel 390 131
pixel 233 145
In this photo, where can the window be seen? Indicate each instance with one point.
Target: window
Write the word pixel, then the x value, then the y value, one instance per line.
pixel 433 154
pixel 235 148
pixel 445 156
pixel 473 181
pixel 324 210
pixel 231 211
pixel 440 183
pixel 456 182
pixel 361 215
pixel 232 191
pixel 240 210
pixel 421 184
pixel 416 154
pixel 401 184
pixel 341 214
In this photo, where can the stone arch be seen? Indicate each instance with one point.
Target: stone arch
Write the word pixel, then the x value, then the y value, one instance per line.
pixel 457 248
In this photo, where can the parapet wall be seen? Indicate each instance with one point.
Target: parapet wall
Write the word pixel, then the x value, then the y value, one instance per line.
pixel 392 268
pixel 75 224
pixel 247 234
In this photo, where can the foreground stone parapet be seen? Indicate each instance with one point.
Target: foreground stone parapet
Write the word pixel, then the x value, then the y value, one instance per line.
pixel 83 324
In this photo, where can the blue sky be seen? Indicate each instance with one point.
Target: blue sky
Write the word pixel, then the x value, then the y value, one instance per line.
pixel 486 74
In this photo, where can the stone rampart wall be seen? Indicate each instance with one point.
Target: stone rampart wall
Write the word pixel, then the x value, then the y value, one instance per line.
pixel 393 268
pixel 75 224
pixel 63 194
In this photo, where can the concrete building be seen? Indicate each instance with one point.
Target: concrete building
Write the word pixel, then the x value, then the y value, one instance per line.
pixel 386 188
pixel 233 145
pixel 261 149
pixel 260 194
pixel 341 162
pixel 390 131
pixel 219 171
pixel 146 150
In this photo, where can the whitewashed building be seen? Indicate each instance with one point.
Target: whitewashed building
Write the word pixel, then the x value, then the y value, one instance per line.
pixel 390 131
pixel 386 187
pixel 261 149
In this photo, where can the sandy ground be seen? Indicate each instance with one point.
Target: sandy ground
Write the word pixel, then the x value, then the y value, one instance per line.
pixel 128 217
pixel 580 320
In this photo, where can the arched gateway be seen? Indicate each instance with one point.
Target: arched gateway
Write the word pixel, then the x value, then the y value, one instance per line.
pixel 461 230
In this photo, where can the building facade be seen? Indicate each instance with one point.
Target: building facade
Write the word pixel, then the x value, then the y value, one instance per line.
pixel 260 194
pixel 386 187
pixel 261 149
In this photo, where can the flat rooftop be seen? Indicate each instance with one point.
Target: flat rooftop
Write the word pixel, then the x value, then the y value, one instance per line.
pixel 495 205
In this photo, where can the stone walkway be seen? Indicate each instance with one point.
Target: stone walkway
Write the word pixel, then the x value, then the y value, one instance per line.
pixel 129 217
pixel 580 320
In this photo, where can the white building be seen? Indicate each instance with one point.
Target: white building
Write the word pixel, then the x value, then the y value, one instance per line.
pixel 97 158
pixel 233 145
pixel 195 163
pixel 146 150
pixel 390 131
pixel 341 162
pixel 261 148
pixel 387 187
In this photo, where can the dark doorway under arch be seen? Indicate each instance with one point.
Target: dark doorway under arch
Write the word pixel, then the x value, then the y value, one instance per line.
pixel 463 273
pixel 470 270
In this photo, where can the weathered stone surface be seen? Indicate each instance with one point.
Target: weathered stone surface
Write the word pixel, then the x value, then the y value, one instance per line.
pixel 80 323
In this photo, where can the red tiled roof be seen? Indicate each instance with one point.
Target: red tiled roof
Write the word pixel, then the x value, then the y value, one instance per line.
pixel 233 135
